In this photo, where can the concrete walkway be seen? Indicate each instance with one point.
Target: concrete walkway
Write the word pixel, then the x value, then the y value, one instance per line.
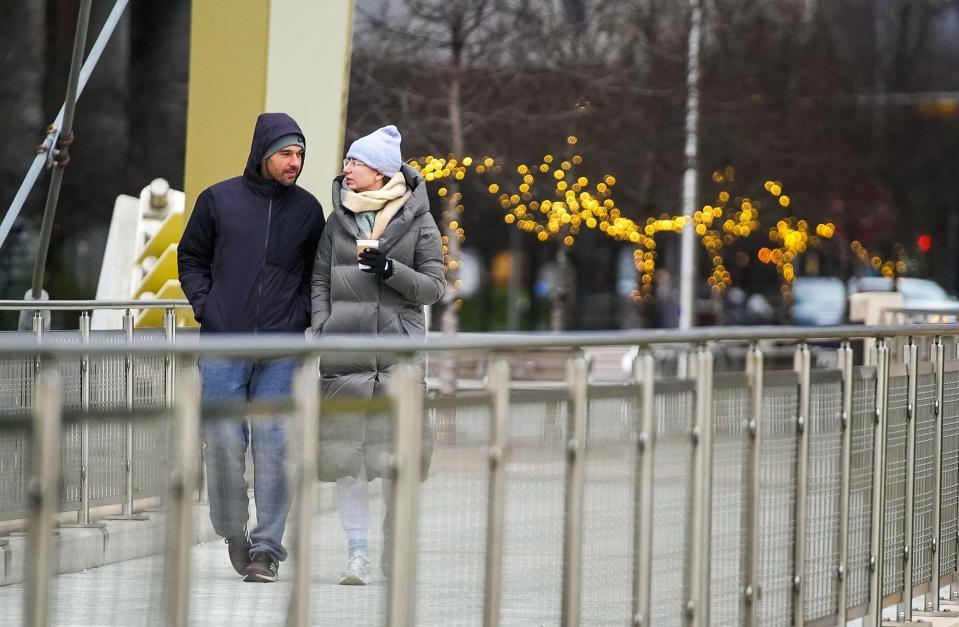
pixel 452 545
pixel 450 569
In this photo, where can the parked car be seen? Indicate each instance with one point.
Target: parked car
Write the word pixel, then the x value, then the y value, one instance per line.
pixel 817 301
pixel 858 284
pixel 923 293
pixel 916 293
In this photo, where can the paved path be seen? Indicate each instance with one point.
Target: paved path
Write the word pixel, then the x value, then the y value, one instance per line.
pixel 451 563
pixel 450 570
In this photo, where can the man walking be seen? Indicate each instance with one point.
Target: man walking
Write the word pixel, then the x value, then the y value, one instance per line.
pixel 245 260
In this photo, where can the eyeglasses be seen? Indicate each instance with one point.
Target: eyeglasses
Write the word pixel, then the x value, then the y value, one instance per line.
pixel 350 162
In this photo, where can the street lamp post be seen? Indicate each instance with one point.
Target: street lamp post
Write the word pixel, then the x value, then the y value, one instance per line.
pixel 687 250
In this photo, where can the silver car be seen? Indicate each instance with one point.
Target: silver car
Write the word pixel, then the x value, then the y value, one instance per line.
pixel 817 301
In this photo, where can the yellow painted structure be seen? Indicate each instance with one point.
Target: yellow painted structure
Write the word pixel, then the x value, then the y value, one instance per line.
pixel 247 57
pixel 251 56
pixel 168 235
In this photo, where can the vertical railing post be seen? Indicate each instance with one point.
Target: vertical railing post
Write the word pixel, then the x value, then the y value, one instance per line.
pixel 406 388
pixel 83 518
pixel 577 375
pixel 877 540
pixel 698 547
pixel 644 376
pixel 182 482
pixel 128 398
pixel 169 329
pixel 306 412
pixel 499 388
pixel 44 496
pixel 802 367
pixel 938 359
pixel 912 363
pixel 752 589
pixel 845 363
pixel 38 334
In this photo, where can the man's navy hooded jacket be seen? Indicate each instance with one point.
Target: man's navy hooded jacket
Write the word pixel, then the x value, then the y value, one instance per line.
pixel 247 252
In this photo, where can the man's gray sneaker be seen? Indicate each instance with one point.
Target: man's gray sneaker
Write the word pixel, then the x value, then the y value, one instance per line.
pixel 262 569
pixel 357 571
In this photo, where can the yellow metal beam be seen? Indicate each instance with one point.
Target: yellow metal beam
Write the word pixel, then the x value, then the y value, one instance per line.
pixel 228 60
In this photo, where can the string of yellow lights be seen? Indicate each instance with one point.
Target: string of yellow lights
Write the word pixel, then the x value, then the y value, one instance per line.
pixel 549 201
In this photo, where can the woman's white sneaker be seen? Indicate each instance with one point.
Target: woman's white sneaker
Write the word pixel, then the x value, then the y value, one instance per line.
pixel 357 571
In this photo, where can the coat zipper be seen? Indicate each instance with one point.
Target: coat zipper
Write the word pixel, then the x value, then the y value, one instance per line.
pixel 266 249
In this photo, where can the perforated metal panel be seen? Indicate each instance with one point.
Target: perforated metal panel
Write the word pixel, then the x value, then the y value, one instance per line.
pixel 68 367
pixel 16 382
pixel 70 467
pixel 924 497
pixel 893 515
pixel 535 419
pixel 609 416
pixel 452 521
pixel 535 493
pixel 608 508
pixel 675 409
pixel 14 469
pixel 777 498
pixel 149 373
pixel 107 470
pixel 462 425
pixel 823 493
pixel 149 437
pixel 108 375
pixel 950 468
pixel 861 460
pixel 16 398
pixel 729 486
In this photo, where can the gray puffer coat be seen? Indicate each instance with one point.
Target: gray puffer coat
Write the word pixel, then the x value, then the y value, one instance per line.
pixel 347 300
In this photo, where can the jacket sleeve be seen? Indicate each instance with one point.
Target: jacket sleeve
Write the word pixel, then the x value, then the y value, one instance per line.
pixel 425 282
pixel 195 253
pixel 310 257
pixel 320 281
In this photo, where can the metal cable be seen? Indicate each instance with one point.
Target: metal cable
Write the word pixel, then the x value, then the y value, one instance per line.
pixel 45 151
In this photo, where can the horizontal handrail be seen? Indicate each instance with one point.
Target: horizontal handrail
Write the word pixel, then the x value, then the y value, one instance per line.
pixel 954 309
pixel 296 345
pixel 89 305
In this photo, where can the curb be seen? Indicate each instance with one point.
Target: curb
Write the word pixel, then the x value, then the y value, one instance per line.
pixel 105 542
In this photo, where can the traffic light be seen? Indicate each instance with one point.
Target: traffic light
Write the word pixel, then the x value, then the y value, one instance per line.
pixel 924 242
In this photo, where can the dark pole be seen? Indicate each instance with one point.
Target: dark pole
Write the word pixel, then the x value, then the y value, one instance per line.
pixel 61 155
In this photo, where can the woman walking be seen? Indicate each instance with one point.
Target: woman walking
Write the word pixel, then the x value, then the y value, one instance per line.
pixel 378 263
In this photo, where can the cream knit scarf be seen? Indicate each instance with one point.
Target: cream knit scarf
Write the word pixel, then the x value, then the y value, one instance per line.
pixel 374 209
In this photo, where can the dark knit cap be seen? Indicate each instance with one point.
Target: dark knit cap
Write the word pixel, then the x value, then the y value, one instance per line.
pixel 292 139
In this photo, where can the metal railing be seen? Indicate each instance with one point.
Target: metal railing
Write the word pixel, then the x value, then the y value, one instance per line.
pixel 753 496
pixel 95 384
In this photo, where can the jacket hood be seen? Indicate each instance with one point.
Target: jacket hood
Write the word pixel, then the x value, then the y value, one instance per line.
pixel 418 203
pixel 269 127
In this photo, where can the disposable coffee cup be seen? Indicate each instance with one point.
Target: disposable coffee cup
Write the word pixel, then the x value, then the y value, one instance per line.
pixel 362 244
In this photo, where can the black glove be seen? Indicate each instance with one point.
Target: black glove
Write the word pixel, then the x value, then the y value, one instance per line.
pixel 378 262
